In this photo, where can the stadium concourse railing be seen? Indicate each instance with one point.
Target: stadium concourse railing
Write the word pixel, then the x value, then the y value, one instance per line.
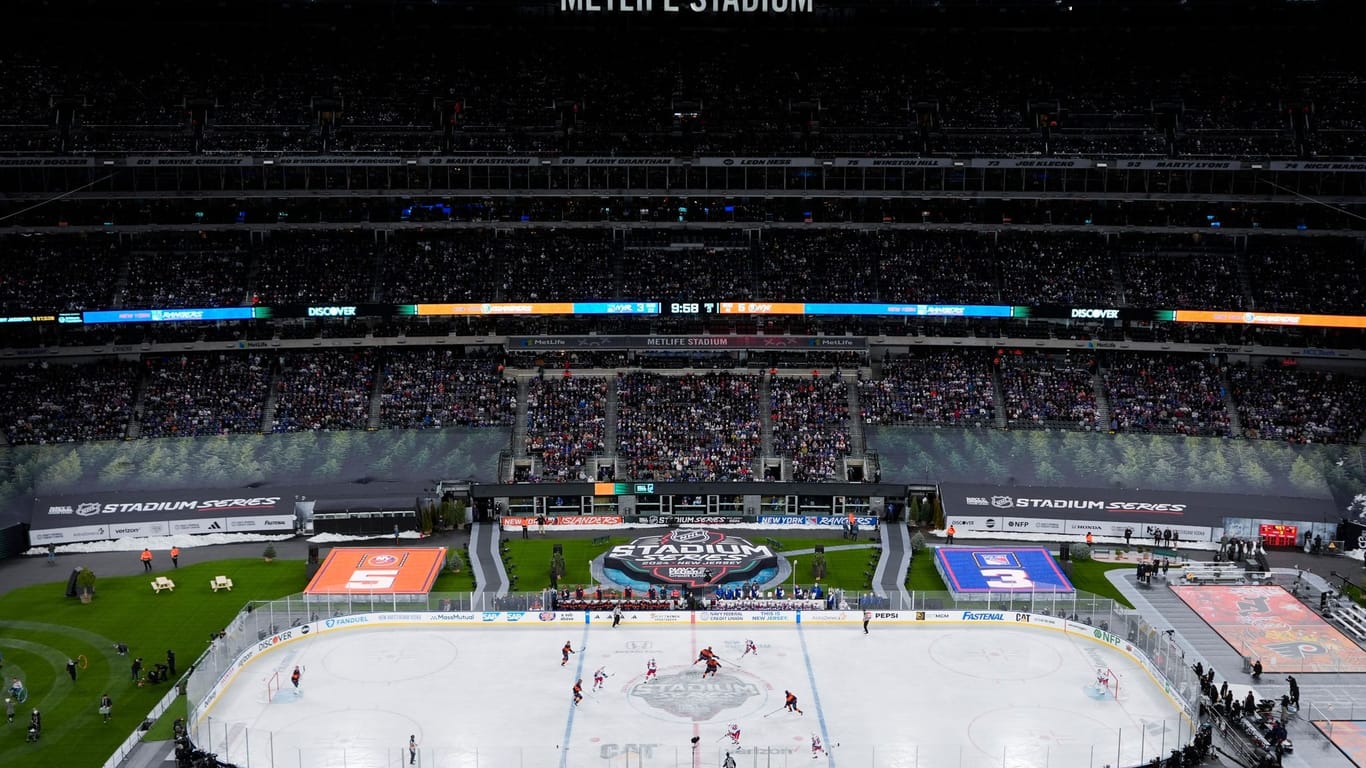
pixel 260 621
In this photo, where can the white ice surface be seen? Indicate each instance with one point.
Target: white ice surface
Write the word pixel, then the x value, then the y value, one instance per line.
pixel 497 697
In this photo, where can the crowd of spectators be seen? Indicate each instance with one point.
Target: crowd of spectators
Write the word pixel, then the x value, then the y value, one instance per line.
pixel 949 387
pixel 690 428
pixel 191 395
pixel 936 267
pixel 328 390
pixel 1285 402
pixel 435 388
pixel 1072 270
pixel 45 403
pixel 1272 273
pixel 1047 390
pixel 431 267
pixel 1307 274
pixel 1165 393
pixel 851 89
pixel 201 269
pixel 565 421
pixel 810 420
pixel 303 267
pixel 817 266
pixel 58 274
pixel 1181 273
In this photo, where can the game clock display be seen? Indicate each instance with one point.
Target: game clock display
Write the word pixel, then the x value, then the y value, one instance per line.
pixel 691 307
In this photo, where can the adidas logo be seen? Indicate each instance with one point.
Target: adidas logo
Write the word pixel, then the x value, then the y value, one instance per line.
pixel 214 526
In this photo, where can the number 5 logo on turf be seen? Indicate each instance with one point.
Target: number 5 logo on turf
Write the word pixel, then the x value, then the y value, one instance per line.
pixel 372 579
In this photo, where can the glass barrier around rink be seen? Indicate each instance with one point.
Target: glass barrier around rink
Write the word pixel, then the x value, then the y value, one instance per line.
pixel 249 748
pixel 260 621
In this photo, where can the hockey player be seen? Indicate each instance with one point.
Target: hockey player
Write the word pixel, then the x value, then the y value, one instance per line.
pixel 750 647
pixel 816 747
pixel 791 702
pixel 564 653
pixel 578 691
pixel 650 670
pixel 600 678
pixel 704 654
pixel 734 734
pixel 729 762
pixel 712 665
pixel 294 677
pixel 1102 679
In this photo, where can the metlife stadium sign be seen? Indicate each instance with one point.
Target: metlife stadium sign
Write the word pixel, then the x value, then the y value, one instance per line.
pixel 91 517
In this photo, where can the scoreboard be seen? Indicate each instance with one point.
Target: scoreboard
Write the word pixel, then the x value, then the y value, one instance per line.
pixel 1279 535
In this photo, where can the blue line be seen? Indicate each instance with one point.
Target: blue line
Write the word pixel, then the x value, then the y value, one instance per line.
pixel 569 724
pixel 815 698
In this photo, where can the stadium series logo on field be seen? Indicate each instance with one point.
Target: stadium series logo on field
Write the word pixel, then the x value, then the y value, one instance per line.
pixel 690 557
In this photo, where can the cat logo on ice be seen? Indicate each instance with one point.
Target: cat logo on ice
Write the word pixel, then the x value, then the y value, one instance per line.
pixel 685 695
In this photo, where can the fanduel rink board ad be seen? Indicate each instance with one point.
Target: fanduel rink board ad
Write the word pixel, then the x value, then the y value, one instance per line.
pixel 96 516
pixel 999 569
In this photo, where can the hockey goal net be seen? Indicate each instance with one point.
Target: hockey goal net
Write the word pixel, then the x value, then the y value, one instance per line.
pixel 272 686
pixel 1111 684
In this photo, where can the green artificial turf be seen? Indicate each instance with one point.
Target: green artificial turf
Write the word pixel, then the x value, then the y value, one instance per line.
pixel 529 561
pixel 1089 576
pixel 41 628
pixel 923 577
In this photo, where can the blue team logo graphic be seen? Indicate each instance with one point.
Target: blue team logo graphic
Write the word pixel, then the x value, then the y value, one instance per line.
pixel 997 559
pixel 970 569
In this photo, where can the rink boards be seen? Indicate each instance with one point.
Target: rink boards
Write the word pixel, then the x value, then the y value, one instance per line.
pixel 807 651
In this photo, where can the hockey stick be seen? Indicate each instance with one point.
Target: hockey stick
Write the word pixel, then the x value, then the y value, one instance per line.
pixel 776 711
pixel 733 664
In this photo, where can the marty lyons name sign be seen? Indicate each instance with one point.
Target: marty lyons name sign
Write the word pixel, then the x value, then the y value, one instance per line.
pixel 690 557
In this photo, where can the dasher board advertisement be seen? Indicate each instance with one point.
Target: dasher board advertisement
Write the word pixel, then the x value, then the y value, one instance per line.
pixel 396 571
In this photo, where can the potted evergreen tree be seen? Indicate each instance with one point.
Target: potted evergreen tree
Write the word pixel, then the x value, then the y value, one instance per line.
pixel 269 554
pixel 85 585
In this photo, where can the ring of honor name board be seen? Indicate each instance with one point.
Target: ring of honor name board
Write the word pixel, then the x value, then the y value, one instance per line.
pixel 690 557
pixel 970 571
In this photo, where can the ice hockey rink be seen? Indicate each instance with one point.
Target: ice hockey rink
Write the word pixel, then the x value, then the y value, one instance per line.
pixel 905 695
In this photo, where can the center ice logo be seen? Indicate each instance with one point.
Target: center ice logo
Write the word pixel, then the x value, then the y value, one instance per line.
pixel 685 695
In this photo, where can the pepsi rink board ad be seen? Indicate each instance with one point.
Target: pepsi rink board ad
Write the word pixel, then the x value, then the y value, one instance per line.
pixel 97 516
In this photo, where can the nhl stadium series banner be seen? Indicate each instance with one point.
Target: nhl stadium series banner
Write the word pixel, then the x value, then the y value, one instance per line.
pixel 96 516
